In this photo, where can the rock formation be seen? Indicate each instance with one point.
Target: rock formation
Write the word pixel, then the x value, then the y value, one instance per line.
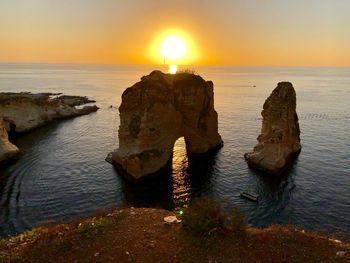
pixel 7 150
pixel 22 112
pixel 158 110
pixel 279 141
pixel 26 111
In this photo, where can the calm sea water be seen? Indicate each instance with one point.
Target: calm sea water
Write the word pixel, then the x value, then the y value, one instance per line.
pixel 63 174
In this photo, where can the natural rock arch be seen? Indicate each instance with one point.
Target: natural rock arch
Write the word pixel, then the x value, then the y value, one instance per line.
pixel 157 111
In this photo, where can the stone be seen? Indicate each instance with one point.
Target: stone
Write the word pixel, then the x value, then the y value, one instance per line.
pixel 171 219
pixel 8 150
pixel 23 112
pixel 340 254
pixel 157 111
pixel 279 141
pixel 335 240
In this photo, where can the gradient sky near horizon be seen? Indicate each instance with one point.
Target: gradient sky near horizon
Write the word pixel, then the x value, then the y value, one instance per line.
pixel 224 32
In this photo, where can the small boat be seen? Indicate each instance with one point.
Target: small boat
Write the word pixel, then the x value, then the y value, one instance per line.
pixel 249 196
pixel 109 158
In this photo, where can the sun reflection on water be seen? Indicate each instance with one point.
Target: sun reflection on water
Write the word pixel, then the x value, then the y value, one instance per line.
pixel 172 69
pixel 181 186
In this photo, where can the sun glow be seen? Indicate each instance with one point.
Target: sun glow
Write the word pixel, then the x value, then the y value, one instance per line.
pixel 173 47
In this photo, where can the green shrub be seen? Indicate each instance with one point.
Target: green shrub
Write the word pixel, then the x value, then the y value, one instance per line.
pixel 237 221
pixel 94 228
pixel 204 215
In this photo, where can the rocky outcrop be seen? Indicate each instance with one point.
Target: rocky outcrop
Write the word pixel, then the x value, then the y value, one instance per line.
pixel 279 141
pixel 26 111
pixel 22 112
pixel 158 110
pixel 8 150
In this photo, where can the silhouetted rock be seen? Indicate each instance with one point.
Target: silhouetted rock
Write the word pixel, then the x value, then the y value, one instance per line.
pixel 279 141
pixel 158 110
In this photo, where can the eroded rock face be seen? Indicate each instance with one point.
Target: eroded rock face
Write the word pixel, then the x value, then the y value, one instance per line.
pixel 158 110
pixel 7 150
pixel 279 141
pixel 26 111
pixel 22 112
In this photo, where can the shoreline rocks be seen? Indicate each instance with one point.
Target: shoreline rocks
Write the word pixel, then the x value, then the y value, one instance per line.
pixel 8 151
pixel 279 141
pixel 27 111
pixel 23 112
pixel 157 111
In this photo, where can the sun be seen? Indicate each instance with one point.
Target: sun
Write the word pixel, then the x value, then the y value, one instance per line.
pixel 173 48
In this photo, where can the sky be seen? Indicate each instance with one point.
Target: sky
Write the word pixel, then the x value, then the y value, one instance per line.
pixel 220 32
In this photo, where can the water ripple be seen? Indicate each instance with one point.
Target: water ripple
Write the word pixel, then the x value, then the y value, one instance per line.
pixel 63 174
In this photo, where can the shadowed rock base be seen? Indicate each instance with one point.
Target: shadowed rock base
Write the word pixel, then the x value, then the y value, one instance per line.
pixel 279 141
pixel 8 151
pixel 158 110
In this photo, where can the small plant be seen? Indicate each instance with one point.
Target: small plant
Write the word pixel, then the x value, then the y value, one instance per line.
pixel 61 245
pixel 94 228
pixel 202 216
pixel 237 221
pixel 86 231
pixel 187 70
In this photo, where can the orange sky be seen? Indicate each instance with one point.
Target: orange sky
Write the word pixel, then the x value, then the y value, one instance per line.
pixel 222 32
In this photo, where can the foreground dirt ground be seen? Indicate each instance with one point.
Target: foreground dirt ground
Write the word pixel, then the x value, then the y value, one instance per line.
pixel 141 235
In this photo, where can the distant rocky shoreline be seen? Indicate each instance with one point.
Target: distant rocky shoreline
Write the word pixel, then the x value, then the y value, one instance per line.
pixel 23 112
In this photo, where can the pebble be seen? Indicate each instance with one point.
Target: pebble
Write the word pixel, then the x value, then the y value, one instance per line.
pixel 340 254
pixel 335 240
pixel 96 254
pixel 152 244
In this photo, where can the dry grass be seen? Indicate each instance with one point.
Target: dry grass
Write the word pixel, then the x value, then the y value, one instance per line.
pixel 141 235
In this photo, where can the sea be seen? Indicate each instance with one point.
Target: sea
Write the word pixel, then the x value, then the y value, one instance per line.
pixel 63 175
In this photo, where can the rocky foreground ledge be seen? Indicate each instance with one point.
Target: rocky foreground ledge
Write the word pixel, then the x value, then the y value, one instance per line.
pixel 142 235
pixel 23 112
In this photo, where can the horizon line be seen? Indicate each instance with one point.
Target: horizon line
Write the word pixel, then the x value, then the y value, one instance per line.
pixel 181 65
